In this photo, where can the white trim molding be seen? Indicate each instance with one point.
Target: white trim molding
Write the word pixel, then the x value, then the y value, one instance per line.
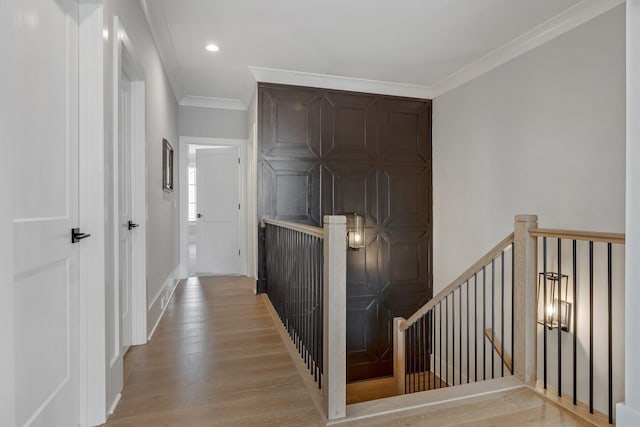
pixel 560 24
pixel 92 214
pixel 327 81
pixel 183 154
pixel 163 297
pixel 212 102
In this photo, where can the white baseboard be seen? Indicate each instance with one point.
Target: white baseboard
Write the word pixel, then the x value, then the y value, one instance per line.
pixel 626 416
pixel 161 300
pixel 115 404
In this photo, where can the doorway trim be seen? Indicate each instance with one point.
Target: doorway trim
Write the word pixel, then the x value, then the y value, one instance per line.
pixel 126 60
pixel 92 212
pixel 183 147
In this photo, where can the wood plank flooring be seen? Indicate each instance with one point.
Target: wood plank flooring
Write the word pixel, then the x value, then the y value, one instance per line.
pixel 217 359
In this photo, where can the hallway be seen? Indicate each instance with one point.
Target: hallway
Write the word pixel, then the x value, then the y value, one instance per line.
pixel 215 359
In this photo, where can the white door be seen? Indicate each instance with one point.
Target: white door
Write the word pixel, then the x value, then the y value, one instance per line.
pixel 218 206
pixel 45 210
pixel 126 224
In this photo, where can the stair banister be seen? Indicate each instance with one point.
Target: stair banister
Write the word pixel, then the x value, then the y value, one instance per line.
pixel 335 316
pixel 524 333
pixel 525 310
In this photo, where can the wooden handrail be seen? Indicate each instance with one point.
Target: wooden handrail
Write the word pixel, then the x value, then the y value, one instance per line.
pixel 295 226
pixel 593 236
pixel 503 245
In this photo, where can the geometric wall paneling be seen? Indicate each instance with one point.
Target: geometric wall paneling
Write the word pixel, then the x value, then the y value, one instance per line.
pixel 348 188
pixel 333 152
pixel 292 121
pixel 407 196
pixel 406 126
pixel 349 128
pixel 291 194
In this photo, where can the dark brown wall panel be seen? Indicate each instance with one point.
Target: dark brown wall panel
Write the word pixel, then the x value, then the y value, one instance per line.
pixel 332 152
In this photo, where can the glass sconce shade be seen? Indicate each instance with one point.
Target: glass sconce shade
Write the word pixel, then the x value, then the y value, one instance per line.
pixel 355 231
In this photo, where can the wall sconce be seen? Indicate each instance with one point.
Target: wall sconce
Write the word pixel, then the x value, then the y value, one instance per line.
pixel 548 313
pixel 355 231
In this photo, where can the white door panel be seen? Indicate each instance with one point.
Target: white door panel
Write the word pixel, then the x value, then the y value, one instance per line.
pixel 45 210
pixel 218 203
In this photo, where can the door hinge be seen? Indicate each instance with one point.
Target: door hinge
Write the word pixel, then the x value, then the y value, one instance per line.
pixel 238 160
pixel 238 206
pixel 238 252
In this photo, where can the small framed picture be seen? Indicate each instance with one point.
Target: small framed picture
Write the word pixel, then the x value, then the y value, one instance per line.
pixel 167 166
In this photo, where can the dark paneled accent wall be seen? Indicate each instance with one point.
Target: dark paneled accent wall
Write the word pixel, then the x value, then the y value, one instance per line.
pixel 331 152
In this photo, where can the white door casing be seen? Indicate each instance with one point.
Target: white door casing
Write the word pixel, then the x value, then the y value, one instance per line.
pixel 218 198
pixel 125 214
pixel 129 106
pixel 46 208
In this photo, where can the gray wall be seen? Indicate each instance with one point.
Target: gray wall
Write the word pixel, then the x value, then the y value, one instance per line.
pixel 543 134
pixel 213 123
pixel 161 122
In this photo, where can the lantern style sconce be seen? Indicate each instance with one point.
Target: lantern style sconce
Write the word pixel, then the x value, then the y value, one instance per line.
pixel 556 310
pixel 355 231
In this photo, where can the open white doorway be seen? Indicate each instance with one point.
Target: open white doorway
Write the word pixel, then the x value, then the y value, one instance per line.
pixel 213 211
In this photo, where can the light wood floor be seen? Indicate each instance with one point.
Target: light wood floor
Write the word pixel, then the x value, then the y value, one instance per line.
pixel 217 359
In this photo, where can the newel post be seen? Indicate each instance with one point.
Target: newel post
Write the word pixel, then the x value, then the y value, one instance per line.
pixel 524 300
pixel 398 353
pixel 334 316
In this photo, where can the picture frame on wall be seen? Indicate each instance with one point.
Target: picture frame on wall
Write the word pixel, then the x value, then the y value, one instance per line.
pixel 167 165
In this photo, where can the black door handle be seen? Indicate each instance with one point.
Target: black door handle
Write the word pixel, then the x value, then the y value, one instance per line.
pixel 76 235
pixel 199 215
pixel 132 225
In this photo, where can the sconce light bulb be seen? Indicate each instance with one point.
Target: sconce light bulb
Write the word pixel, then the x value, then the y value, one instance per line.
pixel 550 310
pixel 356 237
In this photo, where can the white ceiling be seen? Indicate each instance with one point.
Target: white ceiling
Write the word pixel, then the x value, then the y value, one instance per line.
pixel 429 44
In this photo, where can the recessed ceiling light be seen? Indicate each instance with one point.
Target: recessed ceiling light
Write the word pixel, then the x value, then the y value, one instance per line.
pixel 212 48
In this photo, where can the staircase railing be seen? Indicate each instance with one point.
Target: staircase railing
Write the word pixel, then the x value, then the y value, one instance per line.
pixel 444 341
pixel 306 284
pixel 517 311
pixel 580 289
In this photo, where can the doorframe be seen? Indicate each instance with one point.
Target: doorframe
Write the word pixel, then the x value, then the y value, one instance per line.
pixel 126 60
pixel 92 213
pixel 183 147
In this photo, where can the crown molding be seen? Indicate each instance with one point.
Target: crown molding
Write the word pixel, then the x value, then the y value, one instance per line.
pixel 212 102
pixel 328 81
pixel 560 24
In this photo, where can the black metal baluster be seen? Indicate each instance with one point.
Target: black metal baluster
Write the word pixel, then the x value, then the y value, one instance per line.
pixel 591 327
pixel 513 257
pixel 468 355
pixel 575 325
pixel 493 316
pixel 440 344
pixel 424 352
pixel 484 323
pixel 544 309
pixel 460 336
pixel 475 326
pixel 610 329
pixel 433 345
pixel 446 332
pixel 559 308
pixel 453 338
pixel 502 312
